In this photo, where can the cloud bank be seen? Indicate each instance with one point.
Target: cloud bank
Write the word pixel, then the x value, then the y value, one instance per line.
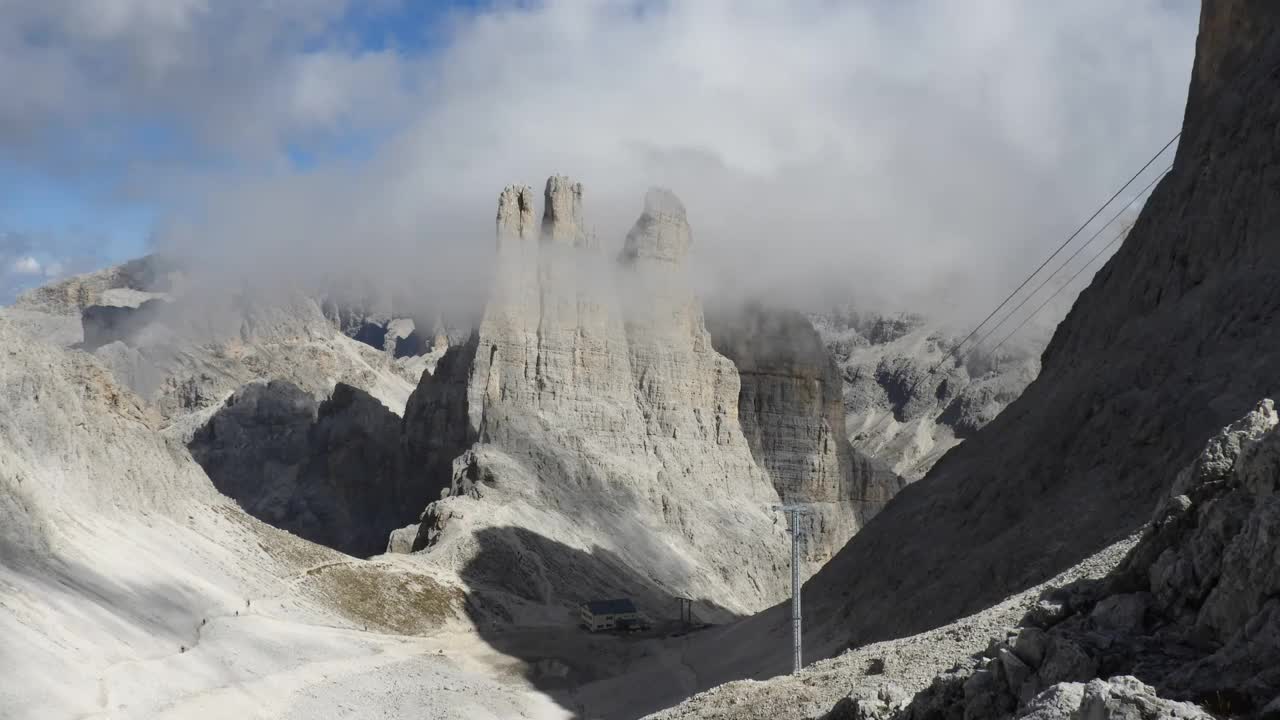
pixel 920 155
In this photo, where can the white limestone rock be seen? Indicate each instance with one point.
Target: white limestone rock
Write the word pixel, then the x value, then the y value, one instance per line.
pixel 899 412
pixel 792 412
pixel 595 425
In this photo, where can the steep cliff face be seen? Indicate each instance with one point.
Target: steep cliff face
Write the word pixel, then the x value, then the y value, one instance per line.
pixel 687 392
pixel 598 418
pixel 1174 338
pixel 329 472
pixel 791 408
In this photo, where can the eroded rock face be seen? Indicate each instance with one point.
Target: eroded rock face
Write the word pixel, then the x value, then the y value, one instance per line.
pixel 791 409
pixel 105 324
pixel 1191 610
pixel 900 412
pixel 329 472
pixel 595 413
pixel 255 443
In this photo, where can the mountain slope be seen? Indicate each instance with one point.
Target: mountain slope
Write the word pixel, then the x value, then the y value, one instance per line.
pixel 791 408
pixel 899 412
pixel 129 588
pixel 1174 338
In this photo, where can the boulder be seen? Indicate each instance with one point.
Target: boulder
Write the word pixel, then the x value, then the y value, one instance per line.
pixel 1122 698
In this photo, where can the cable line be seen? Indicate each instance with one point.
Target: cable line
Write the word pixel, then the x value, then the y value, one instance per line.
pixel 1065 263
pixel 1049 259
pixel 1064 287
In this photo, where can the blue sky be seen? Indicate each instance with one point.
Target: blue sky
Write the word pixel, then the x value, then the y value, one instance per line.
pixel 75 215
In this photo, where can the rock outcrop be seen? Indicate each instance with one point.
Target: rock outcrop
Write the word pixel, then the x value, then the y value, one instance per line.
pixel 791 409
pixel 329 472
pixel 591 409
pixel 870 681
pixel 1181 622
pixel 1191 612
pixel 901 413
pixel 149 275
pixel 203 346
pixel 253 445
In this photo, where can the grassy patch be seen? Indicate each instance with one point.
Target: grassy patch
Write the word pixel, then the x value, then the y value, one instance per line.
pixel 383 599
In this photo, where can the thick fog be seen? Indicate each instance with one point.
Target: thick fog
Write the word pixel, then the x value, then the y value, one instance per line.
pixel 919 155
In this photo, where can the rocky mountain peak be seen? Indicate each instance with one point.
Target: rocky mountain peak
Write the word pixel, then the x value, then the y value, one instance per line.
pixel 662 231
pixel 562 213
pixel 515 213
pixel 574 419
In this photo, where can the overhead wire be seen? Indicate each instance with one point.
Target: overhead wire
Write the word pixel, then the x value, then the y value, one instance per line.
pixel 1049 278
pixel 1055 253
pixel 1064 286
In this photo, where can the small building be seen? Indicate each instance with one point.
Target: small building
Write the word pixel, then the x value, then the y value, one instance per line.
pixel 600 615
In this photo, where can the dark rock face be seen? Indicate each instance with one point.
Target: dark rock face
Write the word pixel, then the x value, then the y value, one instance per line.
pixel 331 472
pixel 436 424
pixel 105 324
pixel 791 409
pixel 252 447
pixel 351 491
pixel 1174 338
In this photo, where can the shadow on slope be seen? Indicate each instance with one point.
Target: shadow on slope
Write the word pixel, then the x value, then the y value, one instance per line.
pixel 332 473
pixel 523 595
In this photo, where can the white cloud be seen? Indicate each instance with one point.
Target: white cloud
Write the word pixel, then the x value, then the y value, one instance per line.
pixel 26 266
pixel 924 152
